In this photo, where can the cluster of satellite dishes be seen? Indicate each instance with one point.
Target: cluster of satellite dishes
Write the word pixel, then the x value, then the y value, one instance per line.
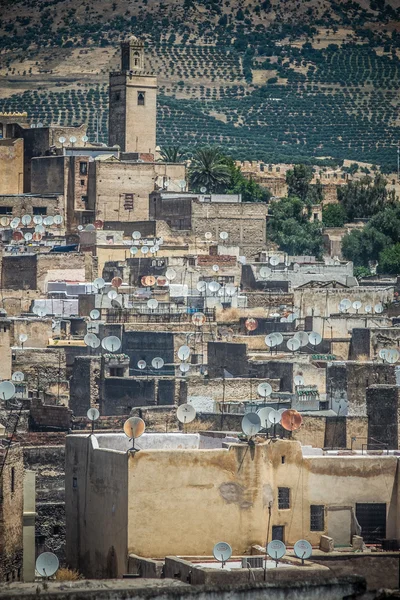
pixel 223 236
pixel 265 272
pixel 37 222
pixel 299 340
pixel 345 305
pixel 276 550
pixel 389 355
pixel 72 140
pixel 142 246
pixel 213 288
pixel 268 417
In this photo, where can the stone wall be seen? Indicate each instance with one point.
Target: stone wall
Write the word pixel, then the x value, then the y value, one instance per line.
pixel 383 417
pixel 11 510
pixel 11 166
pixel 47 417
pixel 84 384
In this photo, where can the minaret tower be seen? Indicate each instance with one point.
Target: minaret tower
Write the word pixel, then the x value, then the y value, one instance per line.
pixel 133 102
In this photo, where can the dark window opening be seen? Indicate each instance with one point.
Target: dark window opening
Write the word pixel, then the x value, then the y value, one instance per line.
pixel 56 530
pixel 317 517
pixel 117 96
pixel 372 519
pixel 192 262
pixel 83 168
pixel 140 98
pixel 283 498
pixel 84 198
pixel 5 210
pixel 12 480
pixel 74 482
pixel 40 210
pixel 116 372
pixel 278 532
pixel 82 182
pixel 315 216
pixel 283 460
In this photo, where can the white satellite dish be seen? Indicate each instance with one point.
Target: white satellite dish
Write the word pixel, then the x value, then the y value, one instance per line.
pixel 302 549
pixel 112 294
pixel 23 338
pixel 14 223
pixel 48 220
pixel 93 414
pixel 38 219
pixel 186 413
pixel 299 380
pixel 203 189
pixel 264 389
pixel 184 367
pixel 26 219
pixel 152 303
pixel 392 356
pixel 94 314
pixel 214 286
pixel 41 312
pixel 182 184
pixel 230 290
pixel 144 249
pixel 201 286
pixel 99 283
pixel 62 139
pixel 72 139
pixel 276 549
pixel 183 352
pixel 302 336
pixel 170 274
pixel 263 413
pixel 39 229
pixel 111 343
pixel 357 305
pixel 84 139
pixel 7 390
pixel 58 219
pixel 157 363
pixel 222 552
pixel 368 308
pixel 215 268
pixel 278 337
pixel 91 340
pixel 90 227
pixel 47 564
pixel 274 417
pixel 274 260
pixel 208 235
pixel 133 250
pixel 271 340
pixel 28 236
pixel 142 365
pixel 378 308
pixel 153 249
pixel 293 344
pixel 224 235
pixel 314 338
pixel 251 424
pixel 382 353
pixel 18 376
pixel 136 235
pixel 265 272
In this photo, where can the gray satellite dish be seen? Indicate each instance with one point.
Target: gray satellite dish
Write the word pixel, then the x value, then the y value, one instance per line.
pixel 48 220
pixel 133 250
pixel 182 185
pixel 368 308
pixel 230 290
pixel 224 235
pixel 136 235
pixel 94 314
pixel 183 352
pixel 314 338
pixel 111 343
pixel 302 336
pixel 157 362
pixel 184 367
pixel 201 286
pixel 357 305
pixel 264 389
pixel 112 294
pixel 265 272
pixel 251 424
pixel 90 227
pixel 62 139
pixel 142 365
pixel 215 268
pixel 378 308
pixel 276 549
pixel 14 223
pixel 26 219
pixel 58 219
pixel 7 390
pixel 299 380
pixel 47 564
pixel 152 303
pixel 39 229
pixel 392 356
pixel 91 340
pixel 302 549
pixel 263 413
pixel 186 413
pixel 153 249
pixel 214 286
pixel 23 338
pixel 274 261
pixel 203 190
pixel 293 344
pixel 270 340
pixel 99 283
pixel 274 417
pixel 144 249
pixel 170 273
pixel 41 312
pixel 93 414
pixel 222 552
pixel 278 337
pixel 18 376
pixel 38 219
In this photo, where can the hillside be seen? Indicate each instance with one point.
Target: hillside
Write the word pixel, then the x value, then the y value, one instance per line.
pixel 277 80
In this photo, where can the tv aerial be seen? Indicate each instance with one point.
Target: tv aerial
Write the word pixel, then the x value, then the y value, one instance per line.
pixel 302 550
pixel 136 235
pixel 90 227
pixel 58 219
pixel 182 185
pixel 265 272
pixel 184 367
pixel 144 249
pixel 116 282
pixel 291 420
pixel 152 303
pixel 368 308
pixel 270 340
pixel 263 413
pixel 208 235
pixel 47 564
pixel 18 376
pixel 222 552
pixel 198 319
pixel 264 389
pixel 186 413
pixel 22 338
pixel 62 140
pixel 41 312
pixel 134 427
pixel 214 286
pixel 112 294
pixel 84 139
pixel 7 390
pixel 4 221
pixel 38 219
pixel 274 417
pixel 314 338
pixel 111 343
pixel 276 550
pixel 15 223
pixel 133 250
pixel 72 139
pixel 183 352
pixel 215 268
pixel 201 286
pixel 299 380
pixel 93 415
pixel 94 314
pixel 392 356
pixel 344 305
pixel 157 363
pixel 251 424
pixel 230 290
pixel 99 283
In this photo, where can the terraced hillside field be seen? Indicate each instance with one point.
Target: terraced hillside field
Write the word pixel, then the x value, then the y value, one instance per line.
pixel 273 81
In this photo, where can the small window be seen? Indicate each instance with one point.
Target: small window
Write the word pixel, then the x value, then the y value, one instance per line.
pixel 12 480
pixel 128 201
pixel 74 482
pixel 283 459
pixel 140 98
pixel 40 210
pixel 317 520
pixel 56 530
pixel 84 198
pixel 83 168
pixel 5 210
pixel 283 498
pixel 315 216
pixel 82 182
pixel 117 96
pixel 116 372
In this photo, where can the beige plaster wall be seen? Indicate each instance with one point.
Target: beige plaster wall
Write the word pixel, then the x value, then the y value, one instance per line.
pixel 11 166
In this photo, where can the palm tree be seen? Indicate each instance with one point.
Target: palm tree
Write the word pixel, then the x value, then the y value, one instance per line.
pixel 172 154
pixel 209 169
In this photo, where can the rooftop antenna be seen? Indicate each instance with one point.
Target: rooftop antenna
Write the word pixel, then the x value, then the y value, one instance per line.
pixel 378 308
pixel 47 564
pixel 184 367
pixel 214 286
pixel 302 336
pixel 98 224
pixel 182 185
pixel 291 420
pixel 251 424
pixel 136 235
pixel 62 141
pixel 276 550
pixel 302 550
pixel 28 236
pixel 198 319
pixel 133 250
pixel 201 286
pixel 224 235
pixel 152 303
pixel 72 139
pixel 274 418
pixel 274 261
pixel 93 415
pixel 383 353
pixel 208 235
pixel 144 249
pixel 111 343
pixel 116 282
pixel 91 340
pixel 263 413
pixel 84 139
pixel 4 221
pixel 48 220
pixel 22 338
pixel 183 352
pixel 392 356
pixel 344 305
pixel 186 413
pixel 142 365
pixel 368 308
pixel 112 294
pixel 265 272
pixel 203 190
pixel 215 268
pixel 162 281
pixel 99 283
pixel 299 380
pixel 58 219
pixel 170 274
pixel 222 552
pixel 134 427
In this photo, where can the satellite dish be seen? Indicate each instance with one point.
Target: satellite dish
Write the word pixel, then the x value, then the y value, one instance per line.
pixel 116 282
pixel 378 308
pixel 392 356
pixel 251 424
pixel 94 314
pixel 98 224
pixel 134 427
pixel 99 283
pixel 222 552
pixel 7 390
pixel 214 286
pixel 278 337
pixel 251 324
pixel 111 343
pixel 23 338
pixel 18 376
pixel 47 564
pixel 299 380
pixel 271 340
pixel 224 235
pixel 148 280
pixel 28 236
pixel 14 223
pixel 41 312
pixel 201 286
pixel 133 250
pixel 153 249
pixel 293 344
pixel 93 414
pixel 186 413
pixel 368 308
pixel 263 413
pixel 230 290
pixel 112 294
pixel 84 139
pixel 157 363
pixel 142 365
pixel 37 237
pixel 203 190
pixel 314 338
pixel 162 281
pixel 274 261
pixel 264 389
pixel 357 305
pixel 265 272
pixel 291 420
pixel 182 184
pixel 302 549
pixel 58 219
pixel 274 417
pixel 62 139
pixel 184 367
pixel 38 125
pixel 183 352
pixel 17 236
pixel 382 353
pixel 276 549
pixel 344 305
pixel 198 319
pixel 144 249
pixel 5 221
pixel 302 336
pixel 72 139
pixel 208 235
pixel 40 229
pixel 215 268
pixel 91 340
pixel 38 219
pixel 90 227
pixel 170 274
pixel 26 219
pixel 136 235
pixel 152 303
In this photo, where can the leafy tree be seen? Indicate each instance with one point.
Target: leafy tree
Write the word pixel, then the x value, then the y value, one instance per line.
pixel 366 197
pixel 172 154
pixel 333 215
pixel 248 188
pixel 298 181
pixel 208 169
pixel 389 260
pixel 363 245
pixel 360 272
pixel 290 228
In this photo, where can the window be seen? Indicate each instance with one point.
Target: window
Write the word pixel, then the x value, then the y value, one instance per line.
pixel 315 216
pixel 140 98
pixel 283 498
pixel 84 199
pixel 117 96
pixel 74 482
pixel 5 210
pixel 283 460
pixel 83 168
pixel 317 520
pixel 40 210
pixel 56 530
pixel 278 532
pixel 82 182
pixel 116 372
pixel 128 202
pixel 12 485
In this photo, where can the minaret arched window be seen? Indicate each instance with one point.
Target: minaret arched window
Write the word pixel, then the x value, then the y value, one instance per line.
pixel 140 98
pixel 136 59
